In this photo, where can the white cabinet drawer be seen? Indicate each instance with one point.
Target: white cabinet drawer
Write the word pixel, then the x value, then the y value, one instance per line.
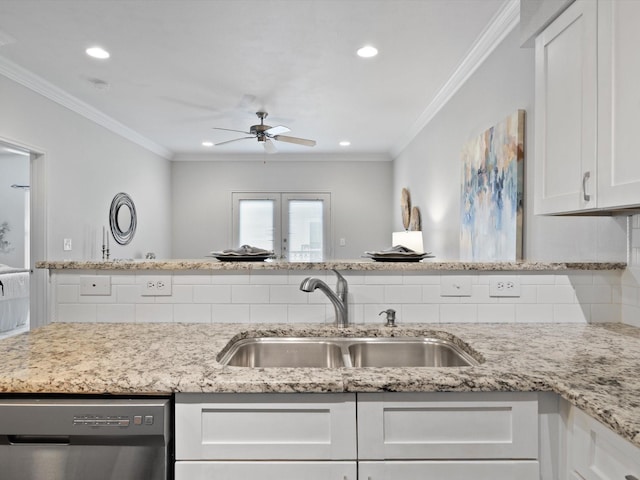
pixel 447 426
pixel 188 470
pixel 448 470
pixel 265 426
pixel 598 453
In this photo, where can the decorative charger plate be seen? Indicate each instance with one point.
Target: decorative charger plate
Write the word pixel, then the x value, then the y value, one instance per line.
pixel 245 253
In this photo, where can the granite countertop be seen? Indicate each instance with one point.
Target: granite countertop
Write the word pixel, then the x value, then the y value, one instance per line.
pixel 595 367
pixel 359 265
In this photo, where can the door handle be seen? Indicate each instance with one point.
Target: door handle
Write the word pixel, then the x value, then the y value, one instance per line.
pixel 585 195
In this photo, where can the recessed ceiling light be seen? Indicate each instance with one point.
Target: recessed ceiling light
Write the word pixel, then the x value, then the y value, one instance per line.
pixel 345 143
pixel 367 51
pixel 98 52
pixel 207 144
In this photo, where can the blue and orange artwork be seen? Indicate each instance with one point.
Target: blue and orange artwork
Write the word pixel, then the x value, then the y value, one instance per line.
pixel 491 200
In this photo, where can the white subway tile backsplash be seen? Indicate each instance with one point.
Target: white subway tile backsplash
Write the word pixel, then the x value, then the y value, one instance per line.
pixel 458 313
pixel 212 293
pixel 146 313
pixel 269 278
pixel 287 294
pixel 367 293
pixel 250 294
pixel 605 313
pixel 268 313
pixel 534 313
pixel 382 278
pixel 179 294
pixel 418 278
pixel 502 313
pixel 571 313
pixel 68 293
pixel 556 294
pixel 192 313
pixel 115 313
pixel 418 314
pixel 594 293
pixel 403 293
pixel 229 313
pixel 192 279
pixel 306 313
pixel 76 312
pixel 259 297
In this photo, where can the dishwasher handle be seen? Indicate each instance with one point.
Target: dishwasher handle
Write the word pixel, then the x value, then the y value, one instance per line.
pixel 39 439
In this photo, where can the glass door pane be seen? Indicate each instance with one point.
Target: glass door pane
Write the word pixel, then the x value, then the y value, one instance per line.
pixel 305 234
pixel 256 223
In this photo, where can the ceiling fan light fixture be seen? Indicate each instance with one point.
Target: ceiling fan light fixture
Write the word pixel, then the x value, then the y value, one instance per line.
pixel 367 51
pixel 98 52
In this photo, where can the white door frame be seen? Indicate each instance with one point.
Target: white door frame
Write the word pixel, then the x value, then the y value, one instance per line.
pixel 39 281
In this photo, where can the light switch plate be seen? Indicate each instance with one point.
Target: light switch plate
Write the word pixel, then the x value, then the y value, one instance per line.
pixel 455 286
pixel 95 285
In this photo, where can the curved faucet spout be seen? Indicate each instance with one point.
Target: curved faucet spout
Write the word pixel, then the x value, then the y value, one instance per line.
pixel 339 298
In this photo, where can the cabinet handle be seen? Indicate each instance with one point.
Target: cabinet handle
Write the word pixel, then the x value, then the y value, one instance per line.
pixel 630 477
pixel 585 177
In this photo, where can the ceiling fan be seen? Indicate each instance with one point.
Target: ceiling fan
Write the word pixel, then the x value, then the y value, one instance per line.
pixel 266 133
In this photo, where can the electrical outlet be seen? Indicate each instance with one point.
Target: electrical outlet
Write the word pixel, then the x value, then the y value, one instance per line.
pixel 156 286
pixel 504 287
pixel 66 245
pixel 455 286
pixel 95 285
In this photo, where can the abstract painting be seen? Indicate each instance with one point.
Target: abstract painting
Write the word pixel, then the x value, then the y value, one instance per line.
pixel 491 197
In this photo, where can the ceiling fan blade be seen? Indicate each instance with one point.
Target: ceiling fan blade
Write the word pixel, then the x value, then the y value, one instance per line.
pixel 231 130
pixel 296 140
pixel 277 130
pixel 269 147
pixel 230 141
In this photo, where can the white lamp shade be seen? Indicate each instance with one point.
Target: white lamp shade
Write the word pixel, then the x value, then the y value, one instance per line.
pixel 412 240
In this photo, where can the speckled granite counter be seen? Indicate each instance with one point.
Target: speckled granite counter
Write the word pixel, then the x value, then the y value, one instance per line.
pixel 361 265
pixel 595 367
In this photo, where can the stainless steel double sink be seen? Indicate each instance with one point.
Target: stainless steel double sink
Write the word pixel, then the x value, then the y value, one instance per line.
pixel 337 352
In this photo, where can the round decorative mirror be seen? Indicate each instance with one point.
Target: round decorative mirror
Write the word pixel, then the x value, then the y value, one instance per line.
pixel 122 218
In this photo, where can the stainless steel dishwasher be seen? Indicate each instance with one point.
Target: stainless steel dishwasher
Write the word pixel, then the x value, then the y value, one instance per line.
pixel 85 438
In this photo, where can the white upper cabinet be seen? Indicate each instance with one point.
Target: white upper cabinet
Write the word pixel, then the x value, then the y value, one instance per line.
pixel 565 111
pixel 618 103
pixel 588 109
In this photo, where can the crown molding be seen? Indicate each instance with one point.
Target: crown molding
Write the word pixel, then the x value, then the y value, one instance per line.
pixel 39 85
pixel 502 23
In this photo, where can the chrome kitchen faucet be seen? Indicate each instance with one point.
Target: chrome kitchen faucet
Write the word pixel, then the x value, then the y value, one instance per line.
pixel 339 298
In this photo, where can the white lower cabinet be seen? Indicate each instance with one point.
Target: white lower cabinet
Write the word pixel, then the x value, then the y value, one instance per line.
pixel 207 470
pixel 449 470
pixel 597 453
pixel 398 436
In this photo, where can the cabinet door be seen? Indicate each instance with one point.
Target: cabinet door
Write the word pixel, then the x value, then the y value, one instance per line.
pixel 619 103
pixel 186 470
pixel 565 112
pixel 597 453
pixel 447 426
pixel 249 426
pixel 441 470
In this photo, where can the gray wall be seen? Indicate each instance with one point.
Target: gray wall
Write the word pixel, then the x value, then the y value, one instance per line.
pixel 430 167
pixel 13 169
pixel 361 202
pixel 85 166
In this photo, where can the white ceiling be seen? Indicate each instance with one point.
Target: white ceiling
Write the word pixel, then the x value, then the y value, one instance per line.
pixel 180 67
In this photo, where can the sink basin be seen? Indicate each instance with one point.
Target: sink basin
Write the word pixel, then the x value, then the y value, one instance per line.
pixel 284 352
pixel 423 352
pixel 336 352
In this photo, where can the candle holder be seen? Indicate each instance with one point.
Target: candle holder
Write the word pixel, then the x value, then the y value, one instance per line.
pixel 105 252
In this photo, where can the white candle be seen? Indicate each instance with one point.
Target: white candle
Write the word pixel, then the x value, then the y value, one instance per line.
pixel 107 240
pixel 103 236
